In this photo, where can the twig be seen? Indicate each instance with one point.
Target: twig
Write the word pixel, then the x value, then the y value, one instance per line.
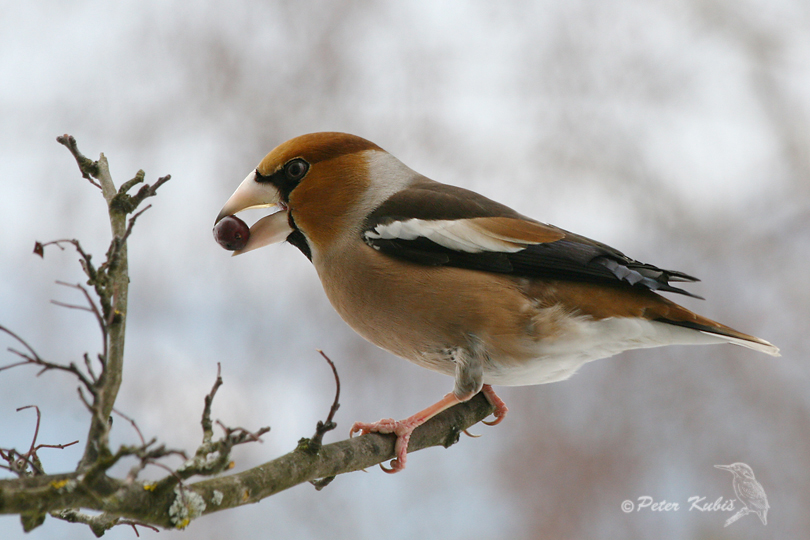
pixel 89 365
pixel 57 446
pixel 87 166
pixel 84 400
pixel 150 458
pixel 207 425
pixel 233 436
pixel 135 524
pixel 145 191
pixel 92 308
pixel 22 342
pixel 134 425
pixel 32 358
pixel 32 450
pixel 239 435
pixel 101 523
pixel 91 305
pixel 323 427
pixel 99 278
pixel 316 442
pixel 213 457
pixel 137 179
pixel 18 463
pixel 131 222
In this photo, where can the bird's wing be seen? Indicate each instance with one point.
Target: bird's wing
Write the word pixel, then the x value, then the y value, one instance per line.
pixel 439 225
pixel 752 491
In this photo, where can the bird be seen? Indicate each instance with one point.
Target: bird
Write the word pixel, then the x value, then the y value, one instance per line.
pixel 453 281
pixel 748 491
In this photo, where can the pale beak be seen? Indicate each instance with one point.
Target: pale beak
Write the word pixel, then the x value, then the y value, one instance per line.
pixel 252 194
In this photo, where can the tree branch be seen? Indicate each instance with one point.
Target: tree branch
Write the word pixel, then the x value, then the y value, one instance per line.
pixel 152 503
pixel 111 282
pixel 171 502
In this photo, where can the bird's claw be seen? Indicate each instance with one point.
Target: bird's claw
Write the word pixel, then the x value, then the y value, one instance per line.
pixel 395 467
pixel 386 425
pixel 402 429
pixel 500 407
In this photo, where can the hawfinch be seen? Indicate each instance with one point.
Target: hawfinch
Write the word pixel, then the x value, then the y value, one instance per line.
pixel 456 282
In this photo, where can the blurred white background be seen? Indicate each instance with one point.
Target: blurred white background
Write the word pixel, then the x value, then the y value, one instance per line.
pixel 676 131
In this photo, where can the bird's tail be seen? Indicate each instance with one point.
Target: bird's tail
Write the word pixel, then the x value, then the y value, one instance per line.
pixel 684 318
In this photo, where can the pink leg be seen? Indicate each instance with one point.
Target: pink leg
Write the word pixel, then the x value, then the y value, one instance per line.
pixel 500 409
pixel 403 428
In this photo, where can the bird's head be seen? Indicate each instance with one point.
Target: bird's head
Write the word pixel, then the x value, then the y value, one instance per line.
pixel 738 469
pixel 322 186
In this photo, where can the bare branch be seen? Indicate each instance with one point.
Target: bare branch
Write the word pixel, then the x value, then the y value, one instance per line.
pixel 101 523
pixel 137 179
pixel 151 502
pixel 213 457
pixel 316 442
pixel 134 425
pixel 324 427
pixel 207 425
pixel 91 305
pixel 132 222
pixel 32 450
pixel 89 365
pixel 32 358
pixel 87 166
pixel 31 351
pixel 18 463
pixel 147 190
pixel 48 366
pixel 57 446
pixel 239 435
pixel 136 524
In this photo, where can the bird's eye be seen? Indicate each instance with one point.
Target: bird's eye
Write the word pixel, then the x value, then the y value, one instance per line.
pixel 296 169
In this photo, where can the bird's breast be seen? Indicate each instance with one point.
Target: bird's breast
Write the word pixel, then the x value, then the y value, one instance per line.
pixel 530 331
pixel 420 312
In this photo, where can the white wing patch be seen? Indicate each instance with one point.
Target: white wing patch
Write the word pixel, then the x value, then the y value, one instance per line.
pixel 459 235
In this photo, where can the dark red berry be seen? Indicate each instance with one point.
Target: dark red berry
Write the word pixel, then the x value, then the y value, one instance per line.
pixel 231 233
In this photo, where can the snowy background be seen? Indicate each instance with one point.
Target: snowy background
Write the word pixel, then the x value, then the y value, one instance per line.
pixel 676 131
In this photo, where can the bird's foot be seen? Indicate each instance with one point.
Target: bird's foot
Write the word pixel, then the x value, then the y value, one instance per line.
pixel 401 428
pixel 500 407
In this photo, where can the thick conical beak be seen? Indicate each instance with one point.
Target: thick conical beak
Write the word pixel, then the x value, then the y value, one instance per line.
pixel 252 194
